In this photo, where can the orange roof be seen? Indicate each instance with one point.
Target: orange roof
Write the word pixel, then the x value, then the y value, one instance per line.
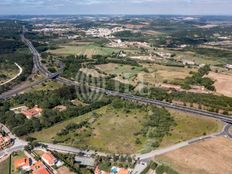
pixel 37 165
pixel 49 157
pixel 21 162
pixel 41 171
pixel 123 171
pixel 32 112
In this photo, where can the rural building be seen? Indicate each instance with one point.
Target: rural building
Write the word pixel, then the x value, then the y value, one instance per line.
pixel 85 161
pixel 23 164
pixel 33 112
pixel 188 62
pixel 49 159
pixel 39 168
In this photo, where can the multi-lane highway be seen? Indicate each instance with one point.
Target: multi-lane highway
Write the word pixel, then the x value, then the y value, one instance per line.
pixel 48 75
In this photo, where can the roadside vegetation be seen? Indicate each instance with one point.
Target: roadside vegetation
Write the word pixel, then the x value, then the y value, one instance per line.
pixel 12 51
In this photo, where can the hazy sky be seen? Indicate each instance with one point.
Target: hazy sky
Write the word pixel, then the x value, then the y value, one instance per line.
pixel 196 7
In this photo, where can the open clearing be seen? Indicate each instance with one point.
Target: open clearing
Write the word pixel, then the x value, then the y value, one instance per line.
pixel 46 135
pixel 126 71
pixel 112 130
pixel 209 157
pixel 64 170
pixel 9 73
pixel 88 50
pixel 190 126
pixel 159 73
pixel 223 83
pixel 91 72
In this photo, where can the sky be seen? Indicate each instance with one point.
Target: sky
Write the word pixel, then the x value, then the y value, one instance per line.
pixel 181 7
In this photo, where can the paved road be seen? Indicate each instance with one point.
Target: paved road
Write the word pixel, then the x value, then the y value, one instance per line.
pixel 38 65
pixel 15 77
pixel 72 150
pixel 17 146
pixel 145 158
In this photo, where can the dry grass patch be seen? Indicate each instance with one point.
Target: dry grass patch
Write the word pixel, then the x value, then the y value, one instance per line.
pixel 223 83
pixel 189 126
pixel 209 157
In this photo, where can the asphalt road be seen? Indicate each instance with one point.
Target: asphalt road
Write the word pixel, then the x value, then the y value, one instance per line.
pixel 48 75
pixel 17 75
pixel 18 144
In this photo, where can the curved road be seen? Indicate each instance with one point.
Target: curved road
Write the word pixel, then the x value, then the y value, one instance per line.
pixel 15 77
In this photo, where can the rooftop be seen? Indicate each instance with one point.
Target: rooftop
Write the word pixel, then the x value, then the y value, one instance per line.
pixel 49 157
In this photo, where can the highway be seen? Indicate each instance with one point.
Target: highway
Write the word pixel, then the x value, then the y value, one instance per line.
pixel 48 75
pixel 144 158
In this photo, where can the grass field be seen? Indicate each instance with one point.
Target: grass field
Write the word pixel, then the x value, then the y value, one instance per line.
pixel 112 130
pixel 7 73
pixel 159 73
pixel 49 85
pixel 223 83
pixel 199 59
pixel 125 71
pixel 86 49
pixel 4 166
pixel 190 126
pixel 208 157
pixel 46 135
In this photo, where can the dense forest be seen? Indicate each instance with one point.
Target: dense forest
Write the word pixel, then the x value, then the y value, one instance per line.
pixel 47 100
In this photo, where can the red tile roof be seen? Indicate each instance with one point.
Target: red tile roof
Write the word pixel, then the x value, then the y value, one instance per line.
pixel 37 165
pixel 41 171
pixel 21 162
pixel 49 158
pixel 32 112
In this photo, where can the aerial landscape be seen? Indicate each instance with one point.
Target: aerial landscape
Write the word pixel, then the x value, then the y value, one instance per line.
pixel 115 87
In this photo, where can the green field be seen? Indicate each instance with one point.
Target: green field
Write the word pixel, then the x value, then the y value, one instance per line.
pixel 7 72
pixel 4 166
pixel 88 50
pixel 107 133
pixel 189 126
pixel 113 130
pixel 124 71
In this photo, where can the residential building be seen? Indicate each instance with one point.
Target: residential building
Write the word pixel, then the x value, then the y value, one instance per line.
pixel 33 112
pixel 23 163
pixel 5 141
pixel 49 159
pixel 41 171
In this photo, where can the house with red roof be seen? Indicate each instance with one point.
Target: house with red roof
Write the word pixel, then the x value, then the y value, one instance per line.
pixel 33 112
pixel 49 159
pixel 23 164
